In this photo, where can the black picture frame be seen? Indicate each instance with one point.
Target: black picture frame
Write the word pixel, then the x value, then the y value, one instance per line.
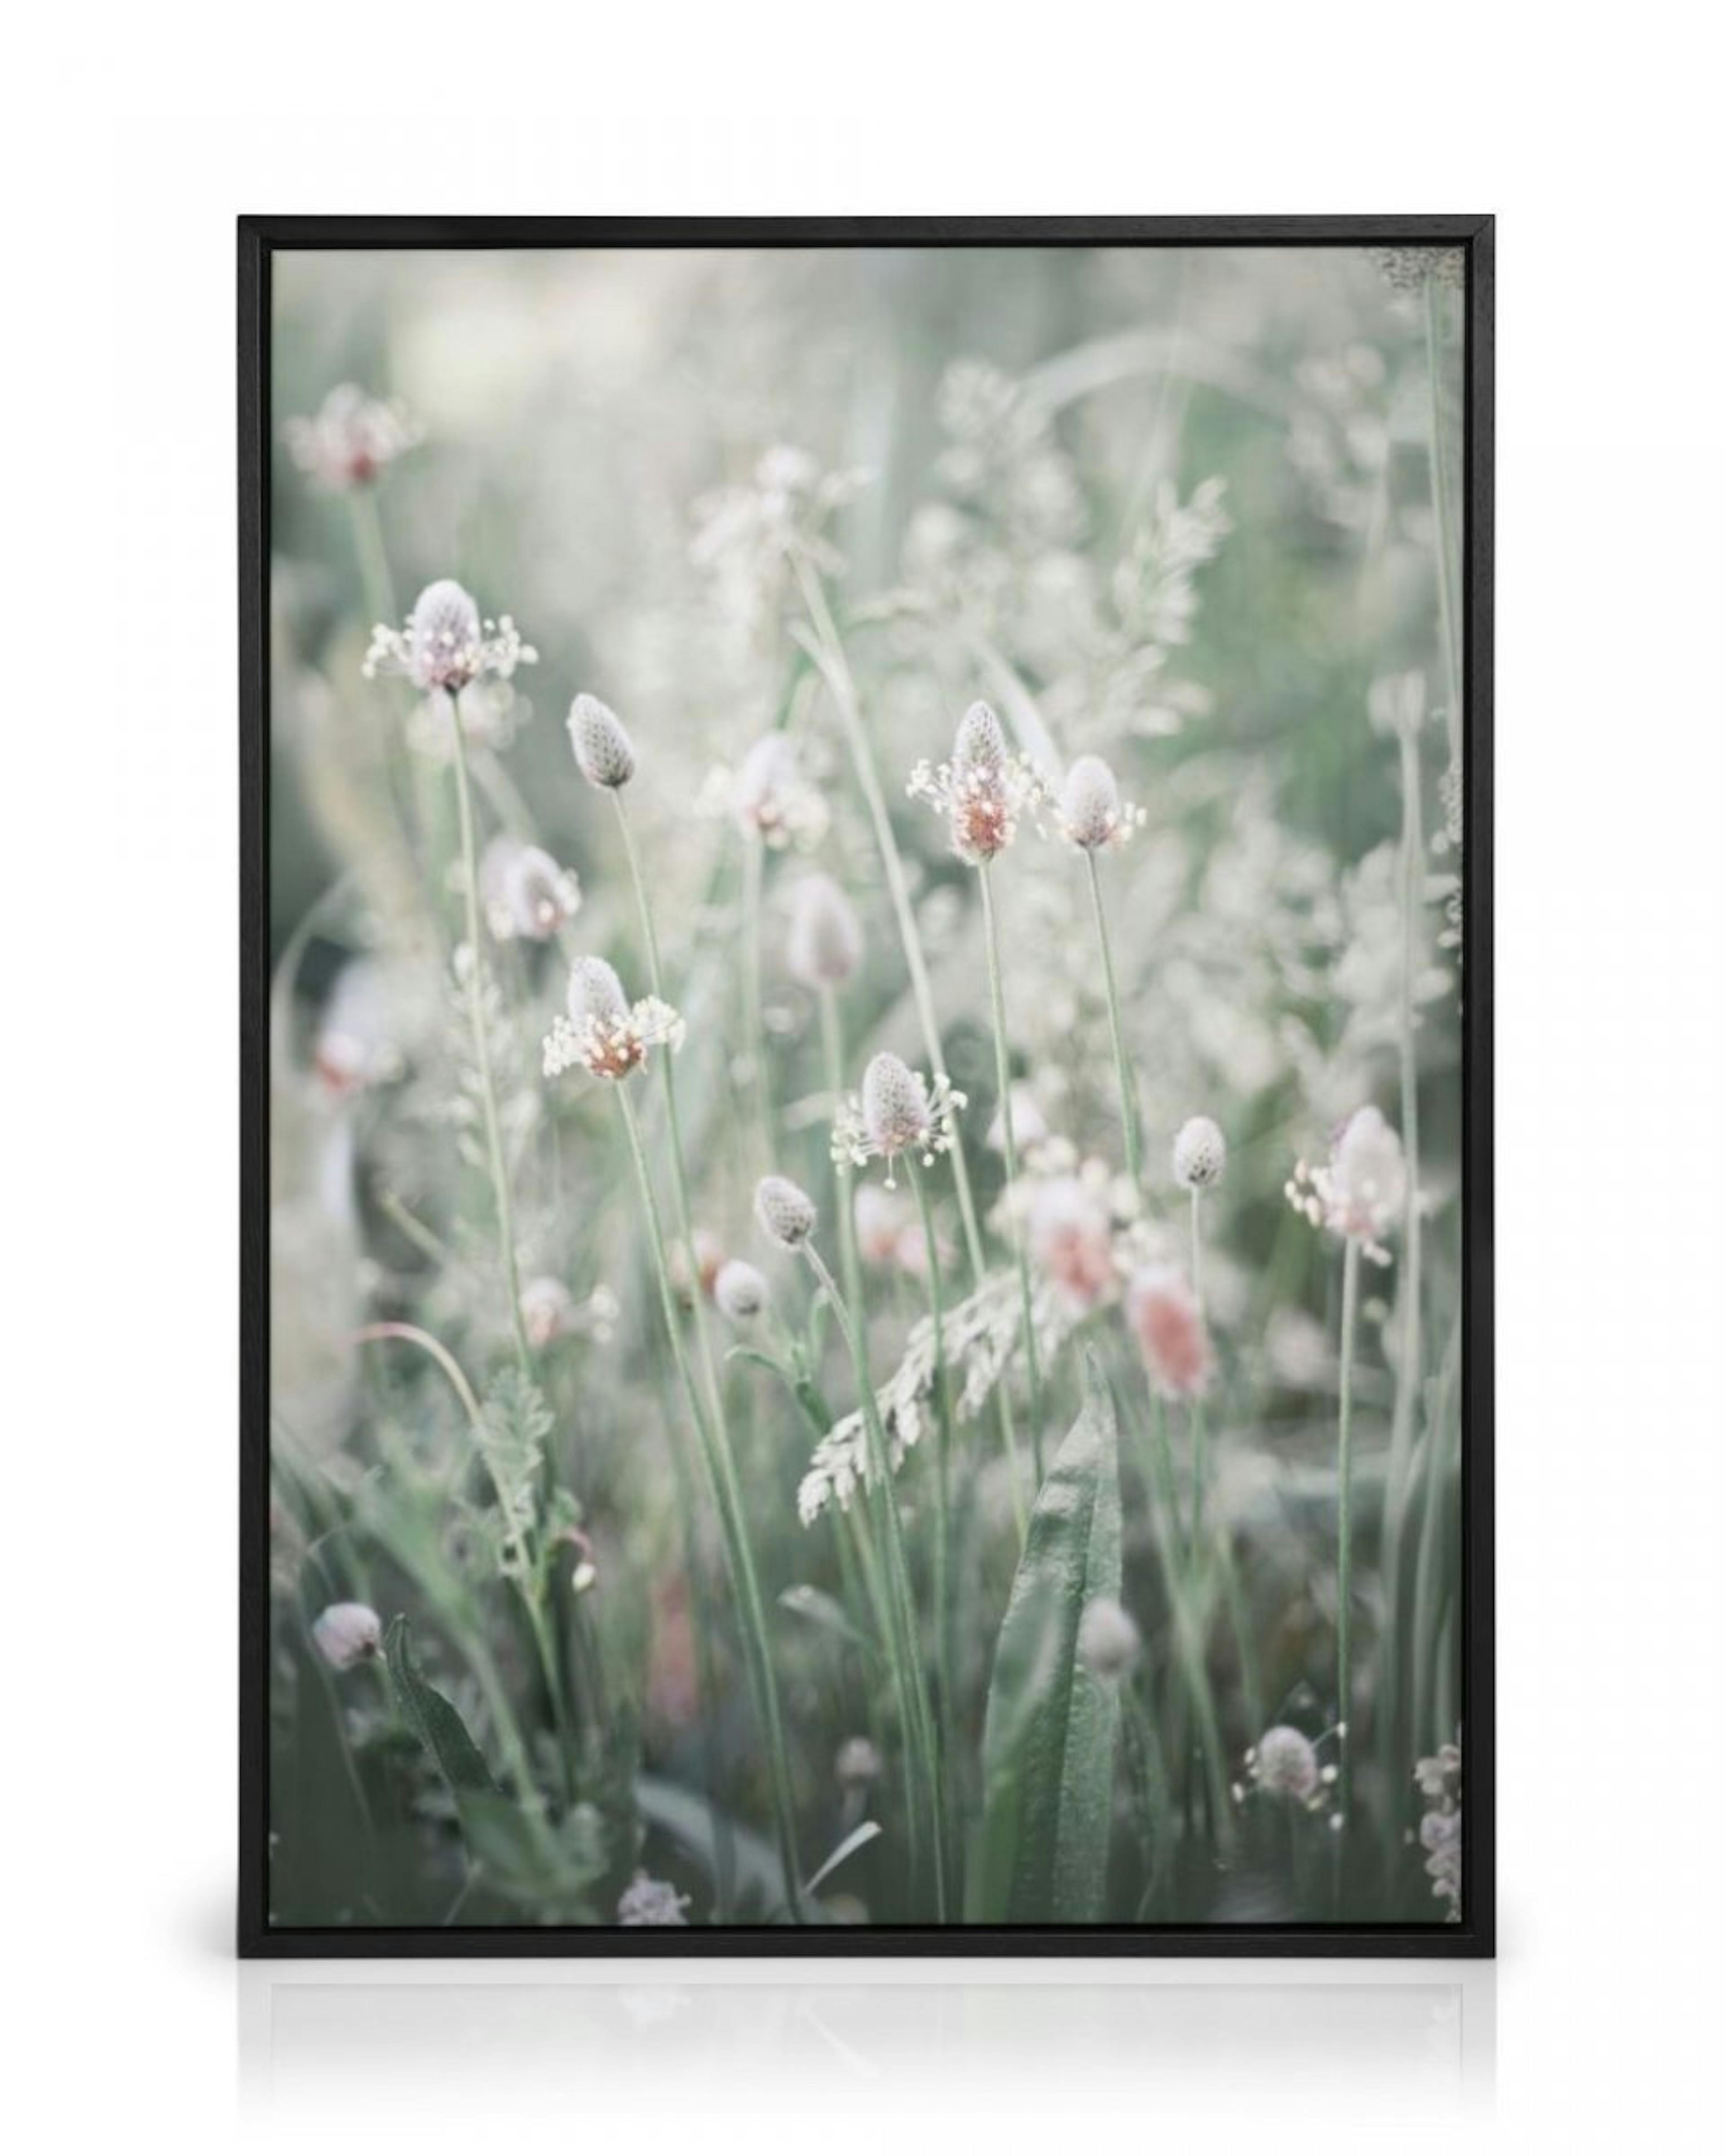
pixel 259 238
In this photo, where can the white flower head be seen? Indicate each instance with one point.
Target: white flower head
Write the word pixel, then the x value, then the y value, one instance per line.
pixel 351 438
pixel 1285 1763
pixel 604 754
pixel 1090 814
pixel 647 1901
pixel 446 645
pixel 981 792
pixel 825 947
pixel 786 1213
pixel 1361 1192
pixel 346 1633
pixel 604 1032
pixel 740 1291
pixel 1109 1642
pixel 524 892
pixel 897 1112
pixel 857 1762
pixel 773 801
pixel 548 1310
pixel 1200 1154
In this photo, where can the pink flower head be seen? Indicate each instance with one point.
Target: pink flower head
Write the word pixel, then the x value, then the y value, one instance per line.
pixel 1071 1241
pixel 1169 1328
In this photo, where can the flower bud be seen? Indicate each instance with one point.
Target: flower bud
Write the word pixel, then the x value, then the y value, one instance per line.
pixel 1285 1763
pixel 346 1633
pixel 1090 803
pixel 786 1214
pixel 740 1291
pixel 444 637
pixel 980 742
pixel 895 1106
pixel 595 992
pixel 1109 1642
pixel 857 1762
pixel 825 947
pixel 1164 1313
pixel 603 751
pixel 1200 1154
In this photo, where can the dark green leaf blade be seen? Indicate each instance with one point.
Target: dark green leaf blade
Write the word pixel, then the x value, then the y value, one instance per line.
pixel 432 1719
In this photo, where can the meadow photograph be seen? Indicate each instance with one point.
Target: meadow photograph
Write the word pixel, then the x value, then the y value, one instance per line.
pixel 867 886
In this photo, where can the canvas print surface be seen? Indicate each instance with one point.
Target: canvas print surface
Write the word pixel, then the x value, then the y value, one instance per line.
pixel 865 879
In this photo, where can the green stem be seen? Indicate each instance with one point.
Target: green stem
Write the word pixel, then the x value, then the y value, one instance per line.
pixel 722 1477
pixel 1344 1526
pixel 942 1567
pixel 761 1089
pixel 997 1004
pixel 1122 1069
pixel 482 1047
pixel 832 1036
pixel 1443 517
pixel 373 556
pixel 915 1724
pixel 1195 1417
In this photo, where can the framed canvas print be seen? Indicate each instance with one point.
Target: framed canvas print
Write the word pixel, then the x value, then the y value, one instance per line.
pixel 866 1056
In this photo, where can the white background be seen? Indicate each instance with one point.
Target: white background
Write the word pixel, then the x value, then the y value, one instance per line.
pixel 131 139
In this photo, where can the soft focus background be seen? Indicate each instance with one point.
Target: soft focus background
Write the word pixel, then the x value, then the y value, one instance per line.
pixel 1176 506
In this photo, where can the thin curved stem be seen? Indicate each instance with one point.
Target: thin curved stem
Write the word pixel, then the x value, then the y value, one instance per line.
pixel 482 1048
pixel 997 1004
pixel 943 1566
pixel 1122 1069
pixel 754 1023
pixel 1344 1527
pixel 832 1037
pixel 1443 519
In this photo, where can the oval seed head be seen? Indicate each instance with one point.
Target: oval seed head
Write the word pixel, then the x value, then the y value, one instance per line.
pixel 980 742
pixel 786 1214
pixel 595 992
pixel 895 1106
pixel 857 1763
pixel 740 1291
pixel 1286 1763
pixel 604 752
pixel 1108 1641
pixel 346 1633
pixel 444 637
pixel 1090 804
pixel 1163 1314
pixel 825 947
pixel 1200 1154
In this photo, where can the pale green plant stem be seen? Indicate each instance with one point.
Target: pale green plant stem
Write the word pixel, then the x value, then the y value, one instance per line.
pixel 1344 1527
pixel 1426 1731
pixel 761 1089
pixel 482 1048
pixel 916 1726
pixel 942 1567
pixel 1200 1465
pixel 828 652
pixel 832 1037
pixel 997 1004
pixel 1444 520
pixel 1198 1249
pixel 1122 1069
pixel 727 1499
pixel 373 555
pixel 1188 1644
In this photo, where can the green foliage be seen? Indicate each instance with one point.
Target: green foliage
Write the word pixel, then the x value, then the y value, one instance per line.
pixel 432 1718
pixel 1048 1743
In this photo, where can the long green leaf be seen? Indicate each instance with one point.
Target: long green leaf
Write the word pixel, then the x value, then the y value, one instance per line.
pixel 432 1719
pixel 1048 1742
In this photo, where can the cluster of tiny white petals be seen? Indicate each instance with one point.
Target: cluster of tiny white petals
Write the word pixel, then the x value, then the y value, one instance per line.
pixel 739 1290
pixel 602 1031
pixel 1361 1192
pixel 897 1111
pixel 647 1901
pixel 604 754
pixel 352 438
pixel 770 796
pixel 982 791
pixel 1200 1154
pixel 550 1312
pixel 1284 1763
pixel 525 893
pixel 1439 1782
pixel 1090 814
pixel 445 645
pixel 824 945
pixel 786 1212
pixel 1109 1642
pixel 346 1633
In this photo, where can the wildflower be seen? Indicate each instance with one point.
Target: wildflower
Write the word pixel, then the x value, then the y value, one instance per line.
pixel 445 645
pixel 1071 1241
pixel 824 948
pixel 525 893
pixel 772 799
pixel 604 754
pixel 1090 814
pixel 740 1291
pixel 1285 1763
pixel 547 1310
pixel 1360 1192
pixel 357 1040
pixel 981 792
pixel 786 1214
pixel 897 1113
pixel 604 1032
pixel 1200 1154
pixel 352 438
pixel 1440 1781
pixel 1164 1315
pixel 647 1901
pixel 346 1633
pixel 857 1762
pixel 709 1256
pixel 1109 1642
